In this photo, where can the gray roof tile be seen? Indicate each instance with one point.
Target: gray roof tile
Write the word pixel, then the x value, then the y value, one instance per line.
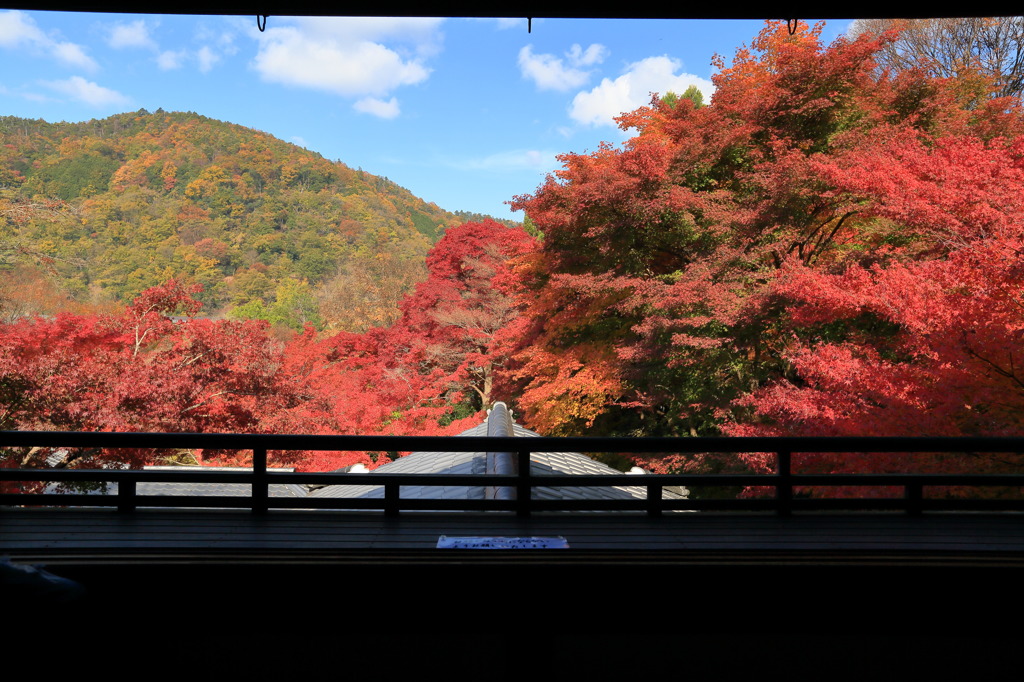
pixel 205 489
pixel 541 464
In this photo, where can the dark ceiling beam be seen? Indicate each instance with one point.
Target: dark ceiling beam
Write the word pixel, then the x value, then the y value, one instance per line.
pixel 548 9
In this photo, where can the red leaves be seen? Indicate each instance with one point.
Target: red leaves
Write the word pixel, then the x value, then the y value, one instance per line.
pixel 139 371
pixel 954 330
pixel 926 341
pixel 957 189
pixel 437 361
pixel 568 387
pixel 155 368
pixel 448 334
pixel 824 247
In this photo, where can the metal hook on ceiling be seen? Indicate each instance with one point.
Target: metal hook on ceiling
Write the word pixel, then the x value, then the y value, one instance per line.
pixel 262 27
pixel 792 25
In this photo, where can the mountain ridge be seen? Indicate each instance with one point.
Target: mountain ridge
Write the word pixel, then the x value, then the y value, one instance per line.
pixel 130 200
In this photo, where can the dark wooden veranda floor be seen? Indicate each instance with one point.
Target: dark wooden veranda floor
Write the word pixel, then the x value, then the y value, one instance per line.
pixel 847 593
pixel 110 551
pixel 81 535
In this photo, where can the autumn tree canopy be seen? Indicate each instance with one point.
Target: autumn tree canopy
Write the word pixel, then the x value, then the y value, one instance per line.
pixel 156 366
pixel 149 368
pixel 826 247
pixel 439 361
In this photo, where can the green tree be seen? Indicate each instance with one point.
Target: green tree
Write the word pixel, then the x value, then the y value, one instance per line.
pixel 692 93
pixel 294 307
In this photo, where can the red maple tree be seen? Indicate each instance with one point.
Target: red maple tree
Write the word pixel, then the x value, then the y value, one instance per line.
pixel 141 370
pixel 437 364
pixel 764 264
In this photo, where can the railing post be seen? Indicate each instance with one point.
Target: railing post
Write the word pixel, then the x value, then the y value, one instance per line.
pixel 914 495
pixel 260 481
pixel 126 497
pixel 391 496
pixel 523 488
pixel 784 487
pixel 653 499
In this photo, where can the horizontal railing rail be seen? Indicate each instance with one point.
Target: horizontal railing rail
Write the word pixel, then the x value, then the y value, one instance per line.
pixel 784 489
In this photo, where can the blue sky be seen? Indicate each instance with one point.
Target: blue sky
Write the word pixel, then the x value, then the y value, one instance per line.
pixel 466 113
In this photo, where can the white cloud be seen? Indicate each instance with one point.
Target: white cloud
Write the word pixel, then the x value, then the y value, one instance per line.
pixel 35 97
pixel 223 41
pixel 421 34
pixel 351 57
pixel 502 23
pixel 633 89
pixel 20 31
pixel 170 59
pixel 226 43
pixel 505 23
pixel 207 58
pixel 555 73
pixel 92 94
pixel 215 46
pixel 31 96
pixel 73 55
pixel 135 34
pixel 516 160
pixel 378 107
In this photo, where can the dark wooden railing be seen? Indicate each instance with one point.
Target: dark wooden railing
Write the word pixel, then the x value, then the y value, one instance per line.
pixel 786 485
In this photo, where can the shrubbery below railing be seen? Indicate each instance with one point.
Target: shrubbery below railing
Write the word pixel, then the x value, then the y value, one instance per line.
pixel 786 490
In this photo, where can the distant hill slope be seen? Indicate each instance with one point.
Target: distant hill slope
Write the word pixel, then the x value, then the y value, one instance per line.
pixel 257 221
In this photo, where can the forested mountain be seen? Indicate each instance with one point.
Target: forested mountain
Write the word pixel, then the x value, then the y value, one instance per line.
pixel 119 205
